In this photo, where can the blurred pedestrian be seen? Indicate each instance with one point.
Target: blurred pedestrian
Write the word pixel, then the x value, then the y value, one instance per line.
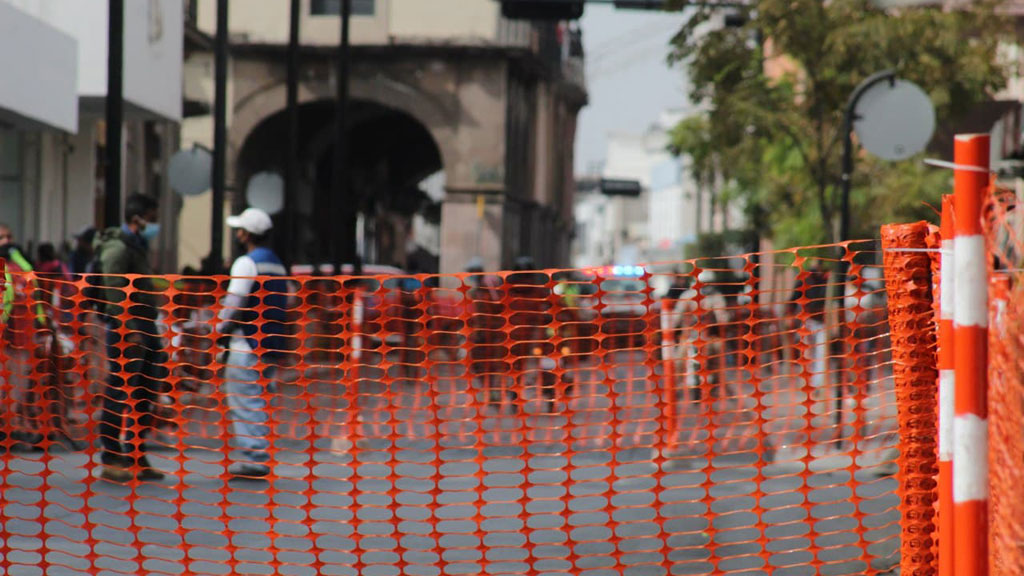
pixel 138 375
pixel 257 327
pixel 47 262
pixel 82 255
pixel 530 317
pixel 56 289
pixel 808 301
pixel 16 292
pixel 19 320
pixel 487 343
pixel 54 276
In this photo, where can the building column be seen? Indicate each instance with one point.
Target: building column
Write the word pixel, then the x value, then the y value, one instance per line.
pixel 472 225
pixel 82 193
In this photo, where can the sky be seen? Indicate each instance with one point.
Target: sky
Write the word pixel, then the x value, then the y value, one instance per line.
pixel 628 79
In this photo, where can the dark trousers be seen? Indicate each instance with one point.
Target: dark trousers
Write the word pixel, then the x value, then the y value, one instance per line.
pixel 138 376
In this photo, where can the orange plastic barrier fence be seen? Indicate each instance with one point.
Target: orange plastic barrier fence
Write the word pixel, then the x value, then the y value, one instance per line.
pixel 720 416
pixel 1005 236
pixel 909 279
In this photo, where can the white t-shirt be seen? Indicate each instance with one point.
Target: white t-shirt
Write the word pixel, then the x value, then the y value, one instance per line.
pixel 243 274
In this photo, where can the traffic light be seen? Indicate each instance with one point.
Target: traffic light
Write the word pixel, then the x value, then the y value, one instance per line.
pixel 621 187
pixel 542 9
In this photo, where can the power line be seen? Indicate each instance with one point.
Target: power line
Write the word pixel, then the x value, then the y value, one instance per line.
pixel 645 32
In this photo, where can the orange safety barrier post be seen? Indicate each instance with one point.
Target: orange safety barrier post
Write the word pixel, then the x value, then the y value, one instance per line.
pixel 1006 415
pixel 947 379
pixel 1005 239
pixel 668 351
pixel 970 424
pixel 911 318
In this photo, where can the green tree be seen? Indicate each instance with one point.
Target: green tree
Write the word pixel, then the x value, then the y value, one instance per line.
pixel 774 88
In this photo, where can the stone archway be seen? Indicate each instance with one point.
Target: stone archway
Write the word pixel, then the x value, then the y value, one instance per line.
pixel 461 104
pixel 440 118
pixel 391 153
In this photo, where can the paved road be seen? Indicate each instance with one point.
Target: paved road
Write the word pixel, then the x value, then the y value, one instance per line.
pixel 595 485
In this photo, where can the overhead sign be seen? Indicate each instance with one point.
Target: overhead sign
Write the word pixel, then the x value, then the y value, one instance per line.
pixel 895 120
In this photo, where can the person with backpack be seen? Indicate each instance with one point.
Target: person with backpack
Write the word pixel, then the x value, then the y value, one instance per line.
pixel 19 323
pixel 139 372
pixel 257 327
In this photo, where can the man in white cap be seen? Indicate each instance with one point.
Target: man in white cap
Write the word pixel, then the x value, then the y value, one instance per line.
pixel 258 327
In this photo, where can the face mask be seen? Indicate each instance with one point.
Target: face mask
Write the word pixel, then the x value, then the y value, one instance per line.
pixel 151 231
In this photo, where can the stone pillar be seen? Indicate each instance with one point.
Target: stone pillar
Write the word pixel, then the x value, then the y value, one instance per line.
pixel 470 230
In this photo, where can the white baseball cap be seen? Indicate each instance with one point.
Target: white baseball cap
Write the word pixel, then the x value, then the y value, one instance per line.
pixel 252 220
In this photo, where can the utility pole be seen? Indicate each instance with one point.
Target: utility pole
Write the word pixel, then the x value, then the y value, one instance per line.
pixel 115 114
pixel 220 138
pixel 343 204
pixel 291 170
pixel 849 117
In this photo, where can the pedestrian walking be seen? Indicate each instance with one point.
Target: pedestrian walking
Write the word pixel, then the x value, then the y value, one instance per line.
pixel 54 279
pixel 532 347
pixel 257 329
pixel 487 342
pixel 83 254
pixel 20 321
pixel 138 374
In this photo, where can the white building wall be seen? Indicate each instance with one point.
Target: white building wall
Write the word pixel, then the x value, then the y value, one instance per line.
pixel 153 43
pixel 393 22
pixel 439 20
pixel 266 22
pixel 39 67
pixel 52 194
pixel 80 206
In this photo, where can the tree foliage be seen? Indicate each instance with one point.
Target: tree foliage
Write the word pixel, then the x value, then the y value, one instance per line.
pixel 773 92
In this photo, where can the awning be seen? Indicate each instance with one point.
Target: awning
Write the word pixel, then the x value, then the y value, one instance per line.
pixel 39 66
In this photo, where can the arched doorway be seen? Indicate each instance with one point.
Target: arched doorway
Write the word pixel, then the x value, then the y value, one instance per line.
pixel 391 153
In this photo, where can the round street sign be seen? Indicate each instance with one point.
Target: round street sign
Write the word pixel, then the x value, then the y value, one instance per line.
pixel 266 192
pixel 894 120
pixel 188 171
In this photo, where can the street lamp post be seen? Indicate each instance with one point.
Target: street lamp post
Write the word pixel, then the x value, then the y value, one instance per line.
pixel 842 265
pixel 291 187
pixel 849 117
pixel 343 241
pixel 220 139
pixel 114 114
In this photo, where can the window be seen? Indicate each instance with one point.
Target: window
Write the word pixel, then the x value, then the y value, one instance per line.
pixel 333 7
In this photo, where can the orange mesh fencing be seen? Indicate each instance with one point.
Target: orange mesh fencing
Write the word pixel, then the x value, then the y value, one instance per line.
pixel 1005 236
pixel 909 280
pixel 682 418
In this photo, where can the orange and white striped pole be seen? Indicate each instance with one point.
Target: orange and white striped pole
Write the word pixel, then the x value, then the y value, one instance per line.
pixel 970 317
pixel 946 364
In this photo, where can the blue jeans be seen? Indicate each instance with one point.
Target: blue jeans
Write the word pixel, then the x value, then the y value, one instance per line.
pixel 247 393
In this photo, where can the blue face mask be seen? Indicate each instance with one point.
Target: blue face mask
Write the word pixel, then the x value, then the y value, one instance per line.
pixel 151 231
